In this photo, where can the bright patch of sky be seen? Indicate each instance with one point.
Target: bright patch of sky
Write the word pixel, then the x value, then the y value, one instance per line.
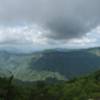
pixel 31 37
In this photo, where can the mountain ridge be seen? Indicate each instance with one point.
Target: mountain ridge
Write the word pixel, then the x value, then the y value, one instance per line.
pixel 61 64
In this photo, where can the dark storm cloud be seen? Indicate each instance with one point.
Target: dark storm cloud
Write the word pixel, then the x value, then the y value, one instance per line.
pixel 71 19
pixel 64 19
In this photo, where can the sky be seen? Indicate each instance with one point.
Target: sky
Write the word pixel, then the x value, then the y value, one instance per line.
pixel 41 24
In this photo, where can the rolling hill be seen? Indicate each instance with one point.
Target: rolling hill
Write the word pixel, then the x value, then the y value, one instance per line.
pixel 56 63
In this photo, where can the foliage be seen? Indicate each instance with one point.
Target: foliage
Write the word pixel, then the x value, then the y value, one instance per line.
pixel 83 88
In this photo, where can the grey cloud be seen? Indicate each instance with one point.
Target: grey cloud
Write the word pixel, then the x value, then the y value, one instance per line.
pixel 72 19
pixel 65 19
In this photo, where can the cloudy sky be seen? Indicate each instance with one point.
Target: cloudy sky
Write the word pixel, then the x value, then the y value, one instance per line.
pixel 41 24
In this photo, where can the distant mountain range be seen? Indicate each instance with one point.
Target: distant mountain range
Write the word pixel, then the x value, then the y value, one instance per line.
pixel 56 63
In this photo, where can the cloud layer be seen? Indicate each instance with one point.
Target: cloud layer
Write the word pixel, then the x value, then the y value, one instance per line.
pixel 47 21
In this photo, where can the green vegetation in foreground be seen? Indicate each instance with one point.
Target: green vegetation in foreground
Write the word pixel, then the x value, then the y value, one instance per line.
pixel 83 88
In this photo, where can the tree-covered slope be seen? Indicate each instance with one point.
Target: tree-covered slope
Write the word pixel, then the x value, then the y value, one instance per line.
pixel 61 64
pixel 81 88
pixel 70 63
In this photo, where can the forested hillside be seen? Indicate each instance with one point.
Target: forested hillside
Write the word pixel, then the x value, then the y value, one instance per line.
pixel 61 64
pixel 82 88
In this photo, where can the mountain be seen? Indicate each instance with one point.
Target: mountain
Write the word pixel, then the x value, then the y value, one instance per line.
pixel 56 63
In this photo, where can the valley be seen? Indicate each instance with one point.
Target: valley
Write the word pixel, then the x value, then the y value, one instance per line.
pixel 61 64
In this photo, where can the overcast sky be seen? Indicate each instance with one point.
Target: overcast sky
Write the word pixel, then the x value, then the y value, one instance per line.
pixel 41 24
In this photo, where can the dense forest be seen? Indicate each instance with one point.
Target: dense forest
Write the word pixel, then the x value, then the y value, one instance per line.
pixel 82 88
